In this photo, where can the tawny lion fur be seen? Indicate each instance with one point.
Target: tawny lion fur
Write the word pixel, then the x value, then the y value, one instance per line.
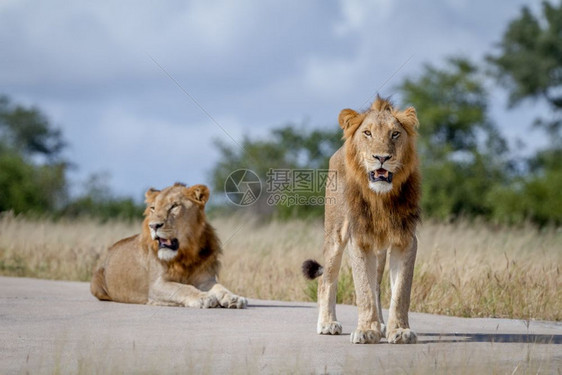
pixel 376 211
pixel 173 261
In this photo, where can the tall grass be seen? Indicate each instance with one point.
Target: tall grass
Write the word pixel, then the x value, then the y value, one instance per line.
pixel 464 269
pixel 61 250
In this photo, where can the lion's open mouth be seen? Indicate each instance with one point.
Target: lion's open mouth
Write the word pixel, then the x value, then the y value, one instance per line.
pixel 380 174
pixel 168 244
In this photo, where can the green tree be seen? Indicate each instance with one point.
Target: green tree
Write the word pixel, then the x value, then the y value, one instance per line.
pixel 287 148
pixel 19 188
pixel 99 201
pixel 461 151
pixel 529 60
pixel 28 130
pixel 32 171
pixel 529 65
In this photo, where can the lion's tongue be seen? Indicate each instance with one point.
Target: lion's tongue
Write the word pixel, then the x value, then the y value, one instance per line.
pixel 381 173
pixel 165 242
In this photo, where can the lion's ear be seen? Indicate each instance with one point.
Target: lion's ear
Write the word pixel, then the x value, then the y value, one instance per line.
pixel 408 118
pixel 150 195
pixel 200 193
pixel 349 121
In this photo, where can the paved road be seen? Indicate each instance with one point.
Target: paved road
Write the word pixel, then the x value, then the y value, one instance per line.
pixel 58 327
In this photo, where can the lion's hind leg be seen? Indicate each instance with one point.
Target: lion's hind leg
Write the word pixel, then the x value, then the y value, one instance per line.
pixel 97 285
pixel 326 325
pixel 401 274
pixel 328 286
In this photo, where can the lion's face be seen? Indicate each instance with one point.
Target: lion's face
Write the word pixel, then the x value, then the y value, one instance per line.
pixel 382 141
pixel 174 217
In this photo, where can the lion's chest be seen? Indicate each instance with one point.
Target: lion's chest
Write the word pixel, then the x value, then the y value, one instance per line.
pixel 376 224
pixel 376 232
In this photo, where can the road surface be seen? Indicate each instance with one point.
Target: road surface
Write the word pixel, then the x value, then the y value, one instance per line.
pixel 58 327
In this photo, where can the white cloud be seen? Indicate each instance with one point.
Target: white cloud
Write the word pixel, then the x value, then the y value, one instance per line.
pixel 157 152
pixel 82 43
pixel 323 77
pixel 357 14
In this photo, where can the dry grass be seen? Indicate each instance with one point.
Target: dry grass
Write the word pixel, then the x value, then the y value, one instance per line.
pixel 63 250
pixel 462 269
pixel 475 270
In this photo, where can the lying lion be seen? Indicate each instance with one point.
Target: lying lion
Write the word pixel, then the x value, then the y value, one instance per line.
pixel 377 210
pixel 174 261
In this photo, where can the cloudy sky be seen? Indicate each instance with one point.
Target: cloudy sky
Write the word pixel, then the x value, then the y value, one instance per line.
pixel 117 77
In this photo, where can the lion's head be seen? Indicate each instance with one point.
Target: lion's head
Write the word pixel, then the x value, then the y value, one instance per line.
pixel 380 144
pixel 175 218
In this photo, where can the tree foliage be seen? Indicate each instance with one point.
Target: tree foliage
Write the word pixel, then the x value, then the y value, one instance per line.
pixel 28 131
pixel 461 151
pixel 287 148
pixel 98 201
pixel 529 60
pixel 32 171
pixel 529 64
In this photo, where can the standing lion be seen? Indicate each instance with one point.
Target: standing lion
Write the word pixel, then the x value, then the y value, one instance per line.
pixel 174 261
pixel 377 210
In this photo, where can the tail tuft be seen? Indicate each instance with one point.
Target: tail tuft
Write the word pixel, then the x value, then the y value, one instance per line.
pixel 312 269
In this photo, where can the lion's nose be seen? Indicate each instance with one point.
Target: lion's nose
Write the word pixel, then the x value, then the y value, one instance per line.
pixel 381 158
pixel 155 226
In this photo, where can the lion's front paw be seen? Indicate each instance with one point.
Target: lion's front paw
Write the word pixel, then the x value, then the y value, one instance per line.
pixel 241 302
pixel 232 301
pixel 402 336
pixel 206 301
pixel 210 302
pixel 329 328
pixel 365 337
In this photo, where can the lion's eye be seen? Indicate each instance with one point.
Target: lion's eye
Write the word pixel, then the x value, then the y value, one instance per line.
pixel 151 208
pixel 367 133
pixel 174 206
pixel 395 135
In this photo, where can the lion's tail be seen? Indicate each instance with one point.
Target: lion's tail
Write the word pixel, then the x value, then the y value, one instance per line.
pixel 312 269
